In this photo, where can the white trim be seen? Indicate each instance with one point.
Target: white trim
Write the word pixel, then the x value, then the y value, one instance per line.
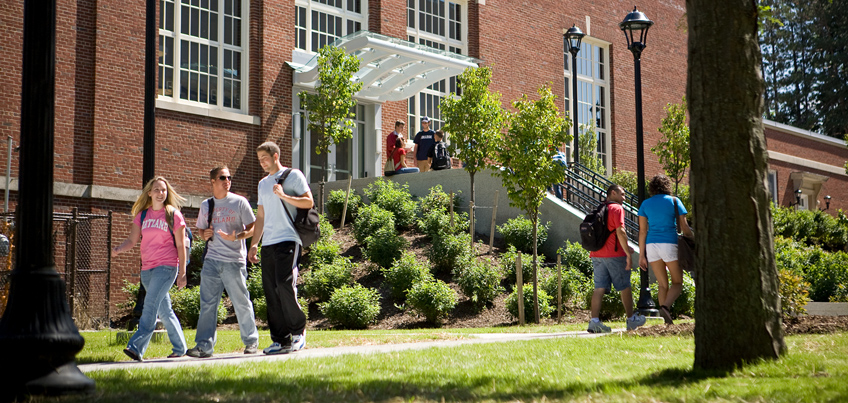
pixel 774 155
pixel 803 133
pixel 98 192
pixel 208 112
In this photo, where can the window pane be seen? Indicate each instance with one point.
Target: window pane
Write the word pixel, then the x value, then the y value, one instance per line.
pixel 213 60
pixel 192 89
pixel 236 94
pixel 236 64
pixel 213 90
pixel 228 93
pixel 228 64
pixel 213 27
pixel 195 16
pixel 184 84
pixel 203 90
pixel 185 14
pixel 204 24
pixel 228 30
pixel 169 22
pixel 237 32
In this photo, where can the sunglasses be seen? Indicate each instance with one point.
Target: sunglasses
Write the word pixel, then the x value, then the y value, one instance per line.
pixel 225 178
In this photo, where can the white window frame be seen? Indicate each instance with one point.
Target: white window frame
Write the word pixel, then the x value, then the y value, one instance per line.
pixel 434 94
pixel 598 78
pixel 346 16
pixel 173 101
pixel 772 185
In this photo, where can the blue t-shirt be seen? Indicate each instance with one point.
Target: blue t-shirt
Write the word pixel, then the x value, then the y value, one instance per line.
pixel 423 140
pixel 659 210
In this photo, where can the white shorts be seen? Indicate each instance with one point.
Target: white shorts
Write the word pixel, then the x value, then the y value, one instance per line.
pixel 667 252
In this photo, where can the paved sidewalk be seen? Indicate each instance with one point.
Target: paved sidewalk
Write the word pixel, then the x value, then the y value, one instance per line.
pixel 239 358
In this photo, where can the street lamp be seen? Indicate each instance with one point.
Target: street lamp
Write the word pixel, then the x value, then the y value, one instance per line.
pixel 574 36
pixel 797 203
pixel 635 27
pixel 826 202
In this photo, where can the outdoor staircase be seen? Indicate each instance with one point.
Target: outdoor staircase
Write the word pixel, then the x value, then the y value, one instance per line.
pixel 584 189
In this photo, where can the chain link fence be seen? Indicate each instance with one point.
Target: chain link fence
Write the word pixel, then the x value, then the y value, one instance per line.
pixel 81 251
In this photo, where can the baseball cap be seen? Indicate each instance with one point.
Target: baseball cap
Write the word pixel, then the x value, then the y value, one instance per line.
pixel 425 119
pixel 400 122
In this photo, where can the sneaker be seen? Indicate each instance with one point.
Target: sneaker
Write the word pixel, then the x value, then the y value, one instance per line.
pixel 196 352
pixel 251 349
pixel 298 342
pixel 666 315
pixel 132 354
pixel 636 321
pixel 277 348
pixel 175 355
pixel 598 327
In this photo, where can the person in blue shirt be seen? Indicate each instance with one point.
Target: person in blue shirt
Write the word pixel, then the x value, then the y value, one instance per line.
pixel 423 141
pixel 658 240
pixel 560 159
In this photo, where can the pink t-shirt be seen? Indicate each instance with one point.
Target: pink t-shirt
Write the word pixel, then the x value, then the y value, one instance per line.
pixel 157 244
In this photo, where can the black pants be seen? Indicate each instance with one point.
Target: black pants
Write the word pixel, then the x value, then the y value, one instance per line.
pixel 279 265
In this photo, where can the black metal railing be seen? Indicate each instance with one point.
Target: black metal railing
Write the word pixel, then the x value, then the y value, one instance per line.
pixel 584 189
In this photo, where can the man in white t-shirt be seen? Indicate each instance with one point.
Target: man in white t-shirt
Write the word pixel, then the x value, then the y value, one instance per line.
pixel 225 264
pixel 281 247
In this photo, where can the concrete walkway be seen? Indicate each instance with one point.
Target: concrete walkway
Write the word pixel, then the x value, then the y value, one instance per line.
pixel 238 358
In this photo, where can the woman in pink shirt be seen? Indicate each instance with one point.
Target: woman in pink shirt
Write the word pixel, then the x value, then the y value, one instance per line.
pixel 163 260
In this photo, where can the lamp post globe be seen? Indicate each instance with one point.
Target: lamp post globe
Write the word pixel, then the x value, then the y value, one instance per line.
pixel 635 27
pixel 574 36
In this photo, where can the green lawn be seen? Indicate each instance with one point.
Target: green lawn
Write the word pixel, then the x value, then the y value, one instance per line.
pixel 612 368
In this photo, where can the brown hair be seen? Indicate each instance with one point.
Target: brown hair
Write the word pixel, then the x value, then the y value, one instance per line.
pixel 172 203
pixel 269 147
pixel 660 184
pixel 214 172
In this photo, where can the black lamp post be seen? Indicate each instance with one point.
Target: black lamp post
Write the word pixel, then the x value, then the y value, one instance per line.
pixel 797 199
pixel 574 36
pixel 635 27
pixel 38 338
pixel 827 202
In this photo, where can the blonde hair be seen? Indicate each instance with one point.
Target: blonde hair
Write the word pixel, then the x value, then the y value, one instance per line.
pixel 173 201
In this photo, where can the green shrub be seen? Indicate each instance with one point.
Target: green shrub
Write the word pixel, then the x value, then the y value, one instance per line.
pixel 825 272
pixel 545 305
pixel 131 289
pixel 518 232
pixel 625 179
pixel 813 228
pixel 260 307
pixel 611 306
pixel 304 306
pixel 186 304
pixel 335 205
pixel 438 200
pixel 793 293
pixel 508 265
pixel 393 197
pixel 323 252
pixel 450 252
pixel 404 273
pixel 195 264
pixel 327 230
pixel 254 282
pixel 574 256
pixel 384 246
pixel 369 220
pixel 432 299
pixel 479 281
pixel 436 223
pixel 352 307
pixel 323 279
pixel 574 285
pixel 683 305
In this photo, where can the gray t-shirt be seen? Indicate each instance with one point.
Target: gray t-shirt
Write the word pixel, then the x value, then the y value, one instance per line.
pixel 277 227
pixel 232 213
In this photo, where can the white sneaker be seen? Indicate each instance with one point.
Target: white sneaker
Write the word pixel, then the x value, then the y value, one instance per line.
pixel 636 321
pixel 298 341
pixel 277 348
pixel 598 327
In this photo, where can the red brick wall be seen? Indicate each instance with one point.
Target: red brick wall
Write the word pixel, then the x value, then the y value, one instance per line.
pixel 806 147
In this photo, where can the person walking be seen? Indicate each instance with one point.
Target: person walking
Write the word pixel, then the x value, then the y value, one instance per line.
pixel 161 228
pixel 225 263
pixel 658 240
pixel 438 156
pixel 612 265
pixel 281 248
pixel 423 141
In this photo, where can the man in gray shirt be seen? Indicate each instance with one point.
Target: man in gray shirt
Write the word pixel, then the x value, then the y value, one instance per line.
pixel 225 264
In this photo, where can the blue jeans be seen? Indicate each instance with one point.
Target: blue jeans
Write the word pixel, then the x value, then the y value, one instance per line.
pixel 158 281
pixel 611 270
pixel 407 170
pixel 216 277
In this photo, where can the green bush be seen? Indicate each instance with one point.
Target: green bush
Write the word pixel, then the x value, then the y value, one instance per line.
pixel 384 246
pixel 436 223
pixel 518 232
pixel 393 197
pixel 352 307
pixel 793 293
pixel 369 220
pixel 327 230
pixel 254 282
pixel 611 306
pixel 574 256
pixel 323 279
pixel 186 304
pixel 825 272
pixel 545 305
pixel 404 273
pixel 508 265
pixel 683 305
pixel 479 281
pixel 574 285
pixel 438 200
pixel 450 252
pixel 335 205
pixel 432 299
pixel 323 252
pixel 813 228
pixel 131 289
pixel 260 307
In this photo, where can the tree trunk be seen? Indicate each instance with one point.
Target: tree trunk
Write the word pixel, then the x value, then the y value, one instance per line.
pixel 471 173
pixel 737 303
pixel 535 270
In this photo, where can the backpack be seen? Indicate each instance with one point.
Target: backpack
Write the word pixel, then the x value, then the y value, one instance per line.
pixel 211 203
pixel 593 230
pixel 441 158
pixel 188 235
pixel 306 222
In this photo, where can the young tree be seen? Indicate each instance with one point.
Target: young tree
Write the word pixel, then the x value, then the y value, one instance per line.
pixel 673 149
pixel 329 107
pixel 475 121
pixel 739 318
pixel 527 158
pixel 588 142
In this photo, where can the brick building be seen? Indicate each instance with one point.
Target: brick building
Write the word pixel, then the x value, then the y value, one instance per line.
pixel 230 70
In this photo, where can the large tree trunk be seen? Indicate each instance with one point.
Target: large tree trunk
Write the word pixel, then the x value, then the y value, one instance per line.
pixel 737 303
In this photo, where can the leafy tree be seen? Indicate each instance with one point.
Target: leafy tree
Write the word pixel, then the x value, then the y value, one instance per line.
pixel 738 299
pixel 588 144
pixel 528 166
pixel 329 107
pixel 474 120
pixel 673 149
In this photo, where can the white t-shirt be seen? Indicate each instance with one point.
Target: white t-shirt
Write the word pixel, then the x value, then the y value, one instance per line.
pixel 277 227
pixel 232 213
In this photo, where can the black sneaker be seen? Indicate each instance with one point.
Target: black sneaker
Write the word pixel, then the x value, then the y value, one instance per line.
pixel 132 354
pixel 251 349
pixel 197 353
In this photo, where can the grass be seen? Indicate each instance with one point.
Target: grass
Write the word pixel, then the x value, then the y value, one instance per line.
pixel 616 368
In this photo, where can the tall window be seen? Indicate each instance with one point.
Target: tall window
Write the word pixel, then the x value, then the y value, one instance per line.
pixel 320 22
pixel 437 24
pixel 592 71
pixel 201 52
